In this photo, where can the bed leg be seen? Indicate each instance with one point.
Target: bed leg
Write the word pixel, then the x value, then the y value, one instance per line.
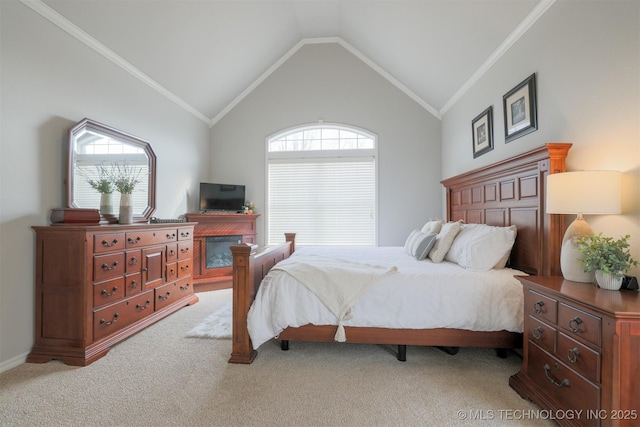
pixel 402 353
pixel 502 352
pixel 284 345
pixel 450 350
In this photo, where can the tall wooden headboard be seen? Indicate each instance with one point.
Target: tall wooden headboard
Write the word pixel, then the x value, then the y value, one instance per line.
pixel 512 192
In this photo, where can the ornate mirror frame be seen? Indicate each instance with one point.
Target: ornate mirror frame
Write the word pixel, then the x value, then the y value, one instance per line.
pixel 95 146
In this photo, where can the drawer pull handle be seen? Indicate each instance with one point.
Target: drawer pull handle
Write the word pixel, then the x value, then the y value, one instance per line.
pixel 107 294
pixel 164 298
pixel 573 354
pixel 537 307
pixel 110 322
pixel 537 333
pixel 184 268
pixel 134 261
pixel 564 383
pixel 185 234
pixel 574 324
pixel 108 245
pixel 134 284
pixel 143 307
pixel 107 268
pixel 133 242
pixel 185 287
pixel 172 252
pixel 171 236
pixel 184 250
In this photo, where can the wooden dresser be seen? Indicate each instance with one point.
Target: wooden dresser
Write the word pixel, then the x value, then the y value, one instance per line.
pixel 581 357
pixel 97 285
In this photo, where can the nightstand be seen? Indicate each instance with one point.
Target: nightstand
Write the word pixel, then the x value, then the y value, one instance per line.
pixel 581 352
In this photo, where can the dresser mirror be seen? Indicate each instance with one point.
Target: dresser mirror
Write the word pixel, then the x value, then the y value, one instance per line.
pixel 96 152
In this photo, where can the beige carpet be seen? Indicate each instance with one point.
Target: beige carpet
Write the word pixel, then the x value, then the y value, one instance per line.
pixel 162 378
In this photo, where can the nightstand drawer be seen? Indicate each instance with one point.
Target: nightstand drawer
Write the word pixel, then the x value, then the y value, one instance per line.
pixel 580 323
pixel 541 334
pixel 541 306
pixel 560 382
pixel 579 357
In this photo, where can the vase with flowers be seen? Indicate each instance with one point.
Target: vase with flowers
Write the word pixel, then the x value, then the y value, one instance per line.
pixel 125 177
pixel 101 181
pixel 607 257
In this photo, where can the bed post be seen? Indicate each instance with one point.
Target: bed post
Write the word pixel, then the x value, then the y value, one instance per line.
pixel 243 278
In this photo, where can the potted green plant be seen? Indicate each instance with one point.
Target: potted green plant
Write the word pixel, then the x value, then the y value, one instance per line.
pixel 608 258
pixel 125 178
pixel 102 182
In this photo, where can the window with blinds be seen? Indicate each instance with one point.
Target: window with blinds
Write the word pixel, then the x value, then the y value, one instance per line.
pixel 322 186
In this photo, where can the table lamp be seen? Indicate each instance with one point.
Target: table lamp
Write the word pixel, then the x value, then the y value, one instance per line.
pixel 580 193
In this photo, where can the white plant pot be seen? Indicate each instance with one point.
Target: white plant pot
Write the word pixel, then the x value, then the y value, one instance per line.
pixel 106 203
pixel 608 280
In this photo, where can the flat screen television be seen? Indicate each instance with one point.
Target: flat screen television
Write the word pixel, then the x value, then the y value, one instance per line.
pixel 221 197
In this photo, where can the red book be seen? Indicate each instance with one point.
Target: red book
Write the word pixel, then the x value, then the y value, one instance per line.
pixel 74 216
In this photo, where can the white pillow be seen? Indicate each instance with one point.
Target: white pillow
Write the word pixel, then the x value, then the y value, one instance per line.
pixel 444 240
pixel 481 247
pixel 432 227
pixel 419 244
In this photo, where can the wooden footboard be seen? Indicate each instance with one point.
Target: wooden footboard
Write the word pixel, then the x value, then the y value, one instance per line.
pixel 249 268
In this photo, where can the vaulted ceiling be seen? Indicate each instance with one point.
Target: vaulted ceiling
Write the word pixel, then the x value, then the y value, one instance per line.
pixel 206 55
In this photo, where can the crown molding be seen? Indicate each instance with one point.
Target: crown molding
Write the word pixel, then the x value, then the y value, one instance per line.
pixel 538 10
pixel 75 31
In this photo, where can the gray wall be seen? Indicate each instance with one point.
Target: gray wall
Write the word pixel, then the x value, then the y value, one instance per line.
pixel 325 81
pixel 50 81
pixel 586 56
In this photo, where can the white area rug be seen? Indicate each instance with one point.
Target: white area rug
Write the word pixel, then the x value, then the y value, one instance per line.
pixel 216 325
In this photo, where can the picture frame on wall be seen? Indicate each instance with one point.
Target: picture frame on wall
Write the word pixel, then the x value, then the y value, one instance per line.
pixel 520 109
pixel 482 131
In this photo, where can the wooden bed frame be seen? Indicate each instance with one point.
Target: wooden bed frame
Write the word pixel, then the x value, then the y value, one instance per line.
pixel 510 192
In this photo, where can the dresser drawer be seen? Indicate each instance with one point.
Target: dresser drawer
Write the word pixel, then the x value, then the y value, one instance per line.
pixel 185 249
pixel 133 284
pixel 108 242
pixel 541 334
pixel 112 318
pixel 146 238
pixel 541 306
pixel 108 266
pixel 579 357
pixel 172 252
pixel 562 383
pixel 108 292
pixel 580 323
pixel 168 294
pixel 172 272
pixel 184 268
pixel 185 233
pixel 133 261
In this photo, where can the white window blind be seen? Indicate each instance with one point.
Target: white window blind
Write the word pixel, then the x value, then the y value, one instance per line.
pixel 325 201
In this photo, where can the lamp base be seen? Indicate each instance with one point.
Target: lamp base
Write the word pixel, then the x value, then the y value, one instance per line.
pixel 569 254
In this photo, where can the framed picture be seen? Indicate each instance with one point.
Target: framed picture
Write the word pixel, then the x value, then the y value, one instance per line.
pixel 482 129
pixel 520 111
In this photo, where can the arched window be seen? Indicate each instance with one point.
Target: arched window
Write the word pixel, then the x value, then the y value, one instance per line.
pixel 321 185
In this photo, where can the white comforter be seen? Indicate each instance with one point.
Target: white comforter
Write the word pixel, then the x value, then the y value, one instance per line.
pixel 420 295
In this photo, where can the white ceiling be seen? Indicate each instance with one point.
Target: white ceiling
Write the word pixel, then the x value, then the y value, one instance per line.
pixel 206 55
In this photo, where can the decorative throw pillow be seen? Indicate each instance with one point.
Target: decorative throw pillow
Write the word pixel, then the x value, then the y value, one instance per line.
pixel 444 240
pixel 432 227
pixel 481 247
pixel 419 244
pixel 410 242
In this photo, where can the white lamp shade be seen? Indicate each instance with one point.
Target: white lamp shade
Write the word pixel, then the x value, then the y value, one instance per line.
pixel 584 192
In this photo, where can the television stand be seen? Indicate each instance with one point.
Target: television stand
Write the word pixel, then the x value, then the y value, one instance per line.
pixel 213 234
